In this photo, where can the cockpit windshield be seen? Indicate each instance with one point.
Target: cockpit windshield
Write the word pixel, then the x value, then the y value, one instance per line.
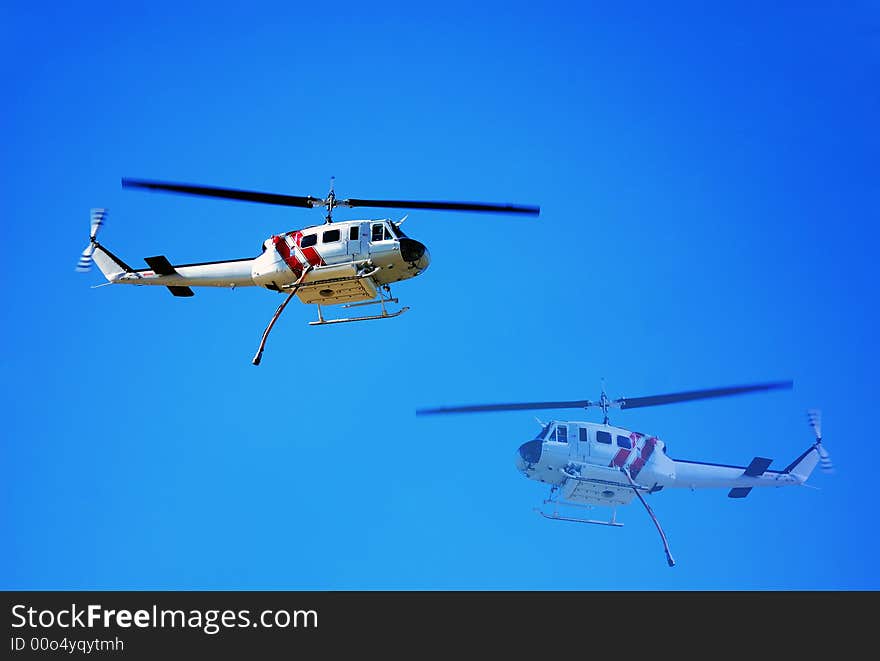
pixel 544 431
pixel 399 232
pixel 385 231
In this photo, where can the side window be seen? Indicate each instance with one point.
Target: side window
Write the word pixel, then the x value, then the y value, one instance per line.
pixel 603 437
pixel 388 235
pixel 308 240
pixel 561 434
pixel 354 233
pixel 330 236
pixel 378 232
pixel 624 442
pixel 582 434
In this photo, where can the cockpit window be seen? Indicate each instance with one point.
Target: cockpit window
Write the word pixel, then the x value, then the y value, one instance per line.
pixel 330 236
pixel 398 231
pixel 308 240
pixel 624 442
pixel 603 437
pixel 561 434
pixel 378 232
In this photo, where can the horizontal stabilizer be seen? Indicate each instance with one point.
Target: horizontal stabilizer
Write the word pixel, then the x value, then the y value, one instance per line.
pixel 161 266
pixel 758 466
pixel 739 492
pixel 181 291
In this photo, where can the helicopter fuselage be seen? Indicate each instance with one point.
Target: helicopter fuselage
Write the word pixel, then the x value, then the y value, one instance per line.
pixel 339 262
pixel 587 462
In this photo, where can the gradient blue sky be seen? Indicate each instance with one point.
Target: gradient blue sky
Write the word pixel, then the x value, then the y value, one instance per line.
pixel 708 179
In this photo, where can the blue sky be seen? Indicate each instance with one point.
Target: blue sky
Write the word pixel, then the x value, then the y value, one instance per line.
pixel 709 191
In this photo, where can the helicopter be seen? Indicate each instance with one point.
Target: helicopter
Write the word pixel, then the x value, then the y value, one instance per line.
pixel 350 263
pixel 589 464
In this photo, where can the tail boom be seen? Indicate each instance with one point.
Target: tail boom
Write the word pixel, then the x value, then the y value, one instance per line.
pixel 695 475
pixel 232 273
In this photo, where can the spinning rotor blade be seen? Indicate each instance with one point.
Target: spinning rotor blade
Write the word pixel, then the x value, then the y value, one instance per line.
pixel 444 206
pixel 604 404
pixel 480 408
pixel 225 193
pixel 814 417
pixel 84 265
pixel 311 202
pixel 672 398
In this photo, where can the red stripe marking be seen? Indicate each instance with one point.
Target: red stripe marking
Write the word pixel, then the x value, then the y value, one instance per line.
pixel 312 256
pixel 287 255
pixel 636 467
pixel 620 458
pixel 640 461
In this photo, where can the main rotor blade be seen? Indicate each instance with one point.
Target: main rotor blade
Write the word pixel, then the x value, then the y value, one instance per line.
pixel 672 398
pixel 225 193
pixel 480 408
pixel 445 206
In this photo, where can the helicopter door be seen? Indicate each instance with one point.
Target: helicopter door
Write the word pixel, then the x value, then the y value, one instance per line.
pixel 583 443
pixel 356 240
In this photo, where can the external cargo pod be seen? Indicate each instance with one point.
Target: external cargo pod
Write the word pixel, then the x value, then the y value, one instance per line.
pixel 331 285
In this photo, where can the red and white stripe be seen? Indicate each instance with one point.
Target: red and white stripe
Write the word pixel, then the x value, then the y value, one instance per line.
pixel 295 256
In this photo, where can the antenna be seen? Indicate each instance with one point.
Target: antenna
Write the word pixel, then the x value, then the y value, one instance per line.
pixel 604 403
pixel 331 200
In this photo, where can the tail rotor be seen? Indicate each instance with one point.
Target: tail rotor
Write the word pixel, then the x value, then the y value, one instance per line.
pixel 85 260
pixel 814 418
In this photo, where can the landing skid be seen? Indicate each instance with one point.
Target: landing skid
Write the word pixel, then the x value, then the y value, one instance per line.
pixel 556 516
pixel 342 320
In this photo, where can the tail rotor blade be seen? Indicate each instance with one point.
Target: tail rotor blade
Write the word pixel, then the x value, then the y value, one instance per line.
pixel 84 264
pixel 824 459
pixel 98 216
pixel 814 418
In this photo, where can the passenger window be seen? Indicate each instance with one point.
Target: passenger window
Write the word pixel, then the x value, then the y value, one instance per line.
pixel 582 432
pixel 308 240
pixel 378 232
pixel 562 434
pixel 354 233
pixel 624 442
pixel 330 236
pixel 603 437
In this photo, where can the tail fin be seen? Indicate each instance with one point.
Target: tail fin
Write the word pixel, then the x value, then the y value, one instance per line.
pixel 803 466
pixel 110 265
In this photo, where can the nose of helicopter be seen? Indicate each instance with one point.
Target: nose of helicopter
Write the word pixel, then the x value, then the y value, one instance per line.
pixel 528 454
pixel 415 253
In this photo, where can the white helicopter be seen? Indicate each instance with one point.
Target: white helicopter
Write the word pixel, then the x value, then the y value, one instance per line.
pixel 588 464
pixel 352 263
